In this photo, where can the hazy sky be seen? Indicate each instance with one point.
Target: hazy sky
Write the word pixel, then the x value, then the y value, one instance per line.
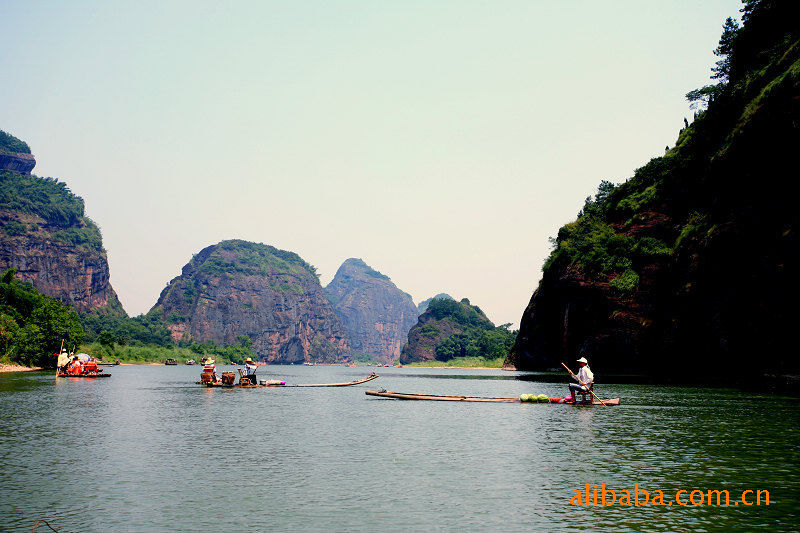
pixel 442 142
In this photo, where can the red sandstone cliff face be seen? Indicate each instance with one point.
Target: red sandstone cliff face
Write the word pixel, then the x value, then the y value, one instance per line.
pixel 239 288
pixel 17 162
pixel 376 314
pixel 574 313
pixel 75 275
pixel 46 237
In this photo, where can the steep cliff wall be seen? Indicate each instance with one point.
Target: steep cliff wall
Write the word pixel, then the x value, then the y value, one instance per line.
pixel 46 236
pixel 689 269
pixel 376 314
pixel 241 288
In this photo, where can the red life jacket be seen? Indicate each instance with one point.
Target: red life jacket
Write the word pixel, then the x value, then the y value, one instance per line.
pixel 74 368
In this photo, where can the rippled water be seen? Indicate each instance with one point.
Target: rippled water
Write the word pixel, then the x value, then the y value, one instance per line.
pixel 148 450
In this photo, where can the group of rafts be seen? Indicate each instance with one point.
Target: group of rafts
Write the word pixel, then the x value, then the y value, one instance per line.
pixel 209 378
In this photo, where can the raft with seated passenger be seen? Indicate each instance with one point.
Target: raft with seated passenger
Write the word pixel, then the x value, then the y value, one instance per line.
pixel 86 368
pixel 228 383
pixel 486 399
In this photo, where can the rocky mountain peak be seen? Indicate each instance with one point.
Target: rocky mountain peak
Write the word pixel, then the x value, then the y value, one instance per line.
pixel 273 296
pixel 376 314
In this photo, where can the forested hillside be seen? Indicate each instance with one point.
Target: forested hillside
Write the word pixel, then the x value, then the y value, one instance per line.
pixel 688 269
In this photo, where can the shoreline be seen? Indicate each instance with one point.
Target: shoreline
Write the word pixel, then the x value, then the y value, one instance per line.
pixel 18 368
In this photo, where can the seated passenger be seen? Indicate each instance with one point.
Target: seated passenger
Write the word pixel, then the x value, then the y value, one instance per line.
pixel 250 369
pixel 75 368
pixel 210 371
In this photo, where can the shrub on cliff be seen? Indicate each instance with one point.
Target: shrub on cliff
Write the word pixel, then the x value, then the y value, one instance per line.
pixel 33 326
pixel 9 143
pixel 251 258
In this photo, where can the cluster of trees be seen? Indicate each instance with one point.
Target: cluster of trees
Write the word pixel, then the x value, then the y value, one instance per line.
pixel 251 259
pixel 462 312
pixel 489 344
pixel 140 330
pixel 32 325
pixel 235 353
pixel 477 337
pixel 47 197
pixel 767 26
pixel 9 143
pixel 148 332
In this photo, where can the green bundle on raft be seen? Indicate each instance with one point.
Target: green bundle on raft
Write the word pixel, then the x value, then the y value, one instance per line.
pixel 534 398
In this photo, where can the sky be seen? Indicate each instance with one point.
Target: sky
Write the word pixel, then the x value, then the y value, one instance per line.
pixel 442 142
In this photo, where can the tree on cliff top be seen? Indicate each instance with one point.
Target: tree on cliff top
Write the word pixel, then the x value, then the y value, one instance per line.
pixel 9 143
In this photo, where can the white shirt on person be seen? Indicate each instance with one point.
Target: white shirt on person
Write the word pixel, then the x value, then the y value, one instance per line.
pixel 585 375
pixel 250 369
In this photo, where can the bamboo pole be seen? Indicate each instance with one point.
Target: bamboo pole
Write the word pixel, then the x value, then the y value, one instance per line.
pixel 59 355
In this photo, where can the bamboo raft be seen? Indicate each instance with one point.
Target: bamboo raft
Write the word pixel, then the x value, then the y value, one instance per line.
pixel 445 398
pixel 268 385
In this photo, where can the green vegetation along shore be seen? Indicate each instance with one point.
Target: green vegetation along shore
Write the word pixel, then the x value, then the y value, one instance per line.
pixel 462 362
pixel 33 326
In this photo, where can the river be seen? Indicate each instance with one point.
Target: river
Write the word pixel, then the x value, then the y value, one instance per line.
pixel 149 450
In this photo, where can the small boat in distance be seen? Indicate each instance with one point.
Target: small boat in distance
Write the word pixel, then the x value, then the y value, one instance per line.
pixel 191 362
pixel 170 362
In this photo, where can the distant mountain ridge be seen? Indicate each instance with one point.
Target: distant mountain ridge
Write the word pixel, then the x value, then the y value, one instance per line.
pixel 376 314
pixel 236 288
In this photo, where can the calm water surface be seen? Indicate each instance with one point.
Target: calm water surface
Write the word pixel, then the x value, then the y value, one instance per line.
pixel 148 450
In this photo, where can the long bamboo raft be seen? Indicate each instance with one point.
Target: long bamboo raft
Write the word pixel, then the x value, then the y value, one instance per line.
pixel 445 398
pixel 268 385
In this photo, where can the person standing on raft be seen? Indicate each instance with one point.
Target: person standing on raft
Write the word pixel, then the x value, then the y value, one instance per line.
pixel 584 375
pixel 63 361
